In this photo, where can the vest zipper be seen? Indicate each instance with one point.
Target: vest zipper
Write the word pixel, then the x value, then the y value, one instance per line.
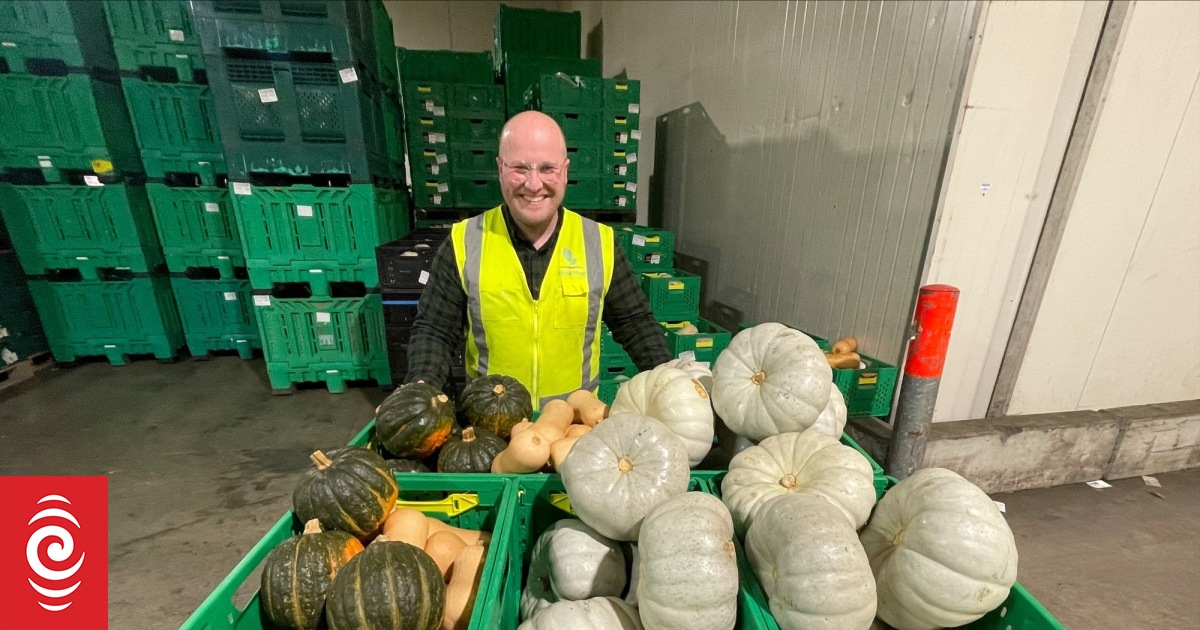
pixel 536 336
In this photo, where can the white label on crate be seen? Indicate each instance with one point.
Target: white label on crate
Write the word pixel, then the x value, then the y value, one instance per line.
pixel 655 258
pixel 110 345
pixel 437 200
pixel 635 108
pixel 332 371
pixel 316 271
pixel 622 137
pixel 631 158
pixel 3 332
pixel 8 44
pixel 81 258
pixel 325 340
pixel 9 356
pixel 443 188
pixel 222 258
pixel 92 180
pixel 639 240
pixel 424 278
pixel 241 188
pixel 631 186
pixel 176 35
pixel 230 296
pixel 212 207
pixel 621 201
pixel 636 134
pixel 243 341
pixel 622 169
pixel 268 95
pixel 438 111
pixel 304 211
pixel 45 162
pixel 323 318
pixel 181 56
pixel 1099 484
pixel 262 300
pixel 437 138
pixel 687 355
pixel 441 158
pixel 348 75
pixel 1000 506
pixel 428 106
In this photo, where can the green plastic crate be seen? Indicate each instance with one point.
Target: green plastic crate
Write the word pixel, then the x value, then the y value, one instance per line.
pixel 149 33
pixel 329 340
pixel 703 346
pixel 583 192
pixel 431 161
pixel 648 249
pixel 469 99
pixel 617 193
pixel 197 228
pixel 613 366
pixel 476 128
pixel 385 45
pixel 868 391
pixel 521 71
pixel 619 94
pixel 562 90
pixel 585 159
pixel 621 161
pixel 620 128
pixel 443 66
pixel 63 30
pixel 216 315
pixel 113 319
pixel 578 125
pixel 674 295
pixel 474 159
pixel 422 97
pixel 476 192
pixel 173 118
pixel 483 502
pixel 343 30
pixel 81 227
pixel 289 231
pixel 536 32
pixel 433 192
pixel 423 123
pixel 72 122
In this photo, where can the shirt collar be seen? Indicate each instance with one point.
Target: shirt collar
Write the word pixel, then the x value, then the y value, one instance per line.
pixel 518 238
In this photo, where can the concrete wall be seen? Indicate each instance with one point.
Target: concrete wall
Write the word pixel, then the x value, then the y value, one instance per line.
pixel 462 25
pixel 1119 323
pixel 1023 90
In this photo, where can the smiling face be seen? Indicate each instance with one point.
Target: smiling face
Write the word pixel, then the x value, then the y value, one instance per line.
pixel 529 141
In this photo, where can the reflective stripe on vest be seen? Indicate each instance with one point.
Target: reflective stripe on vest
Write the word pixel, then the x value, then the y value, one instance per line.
pixel 552 345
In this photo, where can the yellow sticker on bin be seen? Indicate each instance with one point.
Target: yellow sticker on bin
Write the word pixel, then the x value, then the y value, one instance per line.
pixel 653 239
pixel 101 166
pixel 868 379
pixel 704 343
pixel 675 285
pixel 452 505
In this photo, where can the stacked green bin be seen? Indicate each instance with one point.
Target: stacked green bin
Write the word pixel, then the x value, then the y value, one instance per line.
pixel 535 32
pixel 21 333
pixel 674 295
pixel 454 113
pixel 648 249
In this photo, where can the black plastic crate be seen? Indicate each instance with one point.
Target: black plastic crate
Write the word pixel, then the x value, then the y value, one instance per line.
pixel 404 265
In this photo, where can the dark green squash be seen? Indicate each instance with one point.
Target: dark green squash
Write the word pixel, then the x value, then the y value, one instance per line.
pixel 496 402
pixel 350 489
pixel 297 574
pixel 391 585
pixel 471 453
pixel 414 421
pixel 406 465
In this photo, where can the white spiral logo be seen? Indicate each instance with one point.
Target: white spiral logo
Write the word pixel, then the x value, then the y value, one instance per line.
pixel 59 550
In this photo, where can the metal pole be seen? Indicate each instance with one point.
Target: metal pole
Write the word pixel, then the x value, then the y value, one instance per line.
pixel 932 321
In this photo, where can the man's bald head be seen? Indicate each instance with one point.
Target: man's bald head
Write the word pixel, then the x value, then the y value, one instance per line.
pixel 532 131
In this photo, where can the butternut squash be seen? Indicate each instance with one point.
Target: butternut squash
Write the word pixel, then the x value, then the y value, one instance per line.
pixel 588 409
pixel 519 427
pixel 407 525
pixel 560 449
pixel 468 536
pixel 463 587
pixel 556 416
pixel 848 361
pixel 527 452
pixel 845 345
pixel 575 430
pixel 444 547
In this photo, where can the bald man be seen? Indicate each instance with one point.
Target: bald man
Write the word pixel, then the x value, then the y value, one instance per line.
pixel 529 282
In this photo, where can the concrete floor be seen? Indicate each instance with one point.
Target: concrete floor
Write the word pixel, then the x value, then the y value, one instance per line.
pixel 201 461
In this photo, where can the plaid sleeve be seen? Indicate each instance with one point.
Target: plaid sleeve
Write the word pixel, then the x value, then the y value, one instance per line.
pixel 628 315
pixel 441 318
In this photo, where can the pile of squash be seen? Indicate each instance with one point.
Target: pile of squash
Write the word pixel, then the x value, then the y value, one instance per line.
pixel 361 562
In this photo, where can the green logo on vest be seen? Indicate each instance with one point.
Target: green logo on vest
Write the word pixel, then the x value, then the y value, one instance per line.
pixel 570 257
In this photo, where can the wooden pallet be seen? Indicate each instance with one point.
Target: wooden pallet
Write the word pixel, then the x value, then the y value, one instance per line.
pixel 21 371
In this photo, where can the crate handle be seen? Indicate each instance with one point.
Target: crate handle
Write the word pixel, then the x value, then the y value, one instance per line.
pixel 452 505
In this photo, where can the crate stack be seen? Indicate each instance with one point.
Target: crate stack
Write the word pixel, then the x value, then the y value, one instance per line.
pixel 307 103
pixel 76 202
pixel 454 112
pixel 171 105
pixel 21 336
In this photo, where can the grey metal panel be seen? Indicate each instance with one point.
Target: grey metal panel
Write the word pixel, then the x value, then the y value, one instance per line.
pixel 805 169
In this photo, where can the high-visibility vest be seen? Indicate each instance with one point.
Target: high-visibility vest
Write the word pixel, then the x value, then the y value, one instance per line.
pixel 551 344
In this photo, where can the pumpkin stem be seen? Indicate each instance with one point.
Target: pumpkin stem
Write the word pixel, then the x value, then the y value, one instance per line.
pixel 313 526
pixel 498 389
pixel 729 548
pixel 899 538
pixel 624 465
pixel 439 399
pixel 758 378
pixel 468 434
pixel 788 481
pixel 320 460
pixel 700 389
pixel 381 538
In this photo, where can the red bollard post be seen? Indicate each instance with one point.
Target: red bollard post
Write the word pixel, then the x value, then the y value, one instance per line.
pixel 932 321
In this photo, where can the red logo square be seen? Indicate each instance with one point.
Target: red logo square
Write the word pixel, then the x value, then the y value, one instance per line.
pixel 54 550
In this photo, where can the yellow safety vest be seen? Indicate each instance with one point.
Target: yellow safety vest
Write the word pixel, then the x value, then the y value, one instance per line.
pixel 551 344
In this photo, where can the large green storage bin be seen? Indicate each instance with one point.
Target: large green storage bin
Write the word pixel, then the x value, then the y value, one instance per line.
pixel 536 32
pixel 341 29
pixel 197 228
pixel 81 227
pixel 69 32
pixel 173 119
pixel 72 122
pixel 216 315
pixel 289 231
pixel 154 34
pixel 442 66
pixel 113 319
pixel 329 340
pixel 480 502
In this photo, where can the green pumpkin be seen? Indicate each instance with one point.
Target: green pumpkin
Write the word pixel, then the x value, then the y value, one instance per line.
pixel 297 574
pixel 414 421
pixel 496 402
pixel 350 489
pixel 406 465
pixel 390 586
pixel 471 453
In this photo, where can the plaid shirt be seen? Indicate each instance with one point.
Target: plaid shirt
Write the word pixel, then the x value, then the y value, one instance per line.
pixel 442 313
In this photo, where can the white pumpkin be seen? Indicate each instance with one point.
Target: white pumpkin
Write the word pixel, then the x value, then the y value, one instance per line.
pixel 799 462
pixel 700 371
pixel 572 561
pixel 832 420
pixel 688 574
pixel 598 613
pixel 770 380
pixel 942 554
pixel 675 399
pixel 620 470
pixel 811 566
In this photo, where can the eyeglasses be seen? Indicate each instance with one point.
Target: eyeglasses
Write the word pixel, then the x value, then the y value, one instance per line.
pixel 547 171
